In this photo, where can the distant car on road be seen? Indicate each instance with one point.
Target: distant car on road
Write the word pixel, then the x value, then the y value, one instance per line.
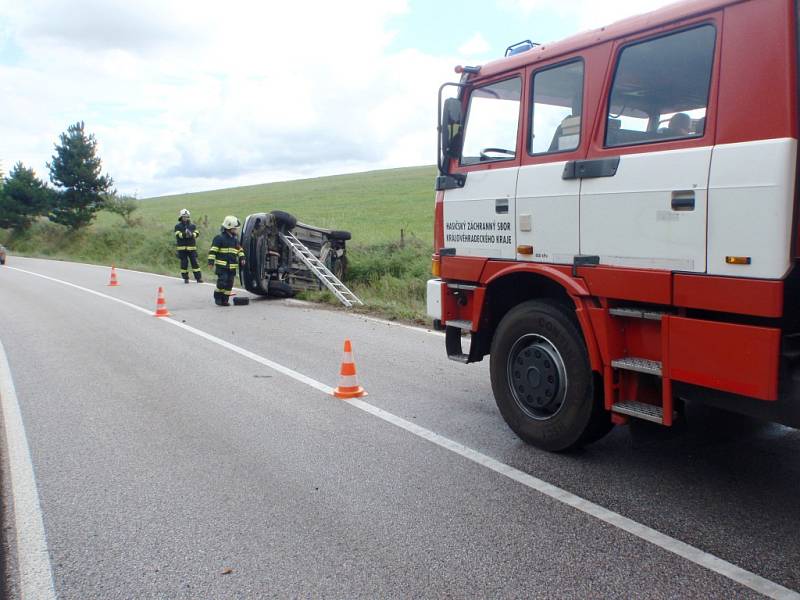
pixel 2 254
pixel 272 269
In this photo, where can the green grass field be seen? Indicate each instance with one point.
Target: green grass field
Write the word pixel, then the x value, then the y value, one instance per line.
pixel 374 206
pixel 388 269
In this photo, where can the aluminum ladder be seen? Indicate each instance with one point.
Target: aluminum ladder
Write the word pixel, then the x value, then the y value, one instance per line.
pixel 319 269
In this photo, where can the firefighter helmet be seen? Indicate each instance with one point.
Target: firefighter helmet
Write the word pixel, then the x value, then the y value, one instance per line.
pixel 230 222
pixel 184 213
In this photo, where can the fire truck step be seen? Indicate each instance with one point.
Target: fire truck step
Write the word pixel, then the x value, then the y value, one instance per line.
pixel 636 313
pixel 642 365
pixel 639 410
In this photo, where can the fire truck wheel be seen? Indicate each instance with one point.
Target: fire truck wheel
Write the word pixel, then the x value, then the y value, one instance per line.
pixel 284 219
pixel 600 421
pixel 541 377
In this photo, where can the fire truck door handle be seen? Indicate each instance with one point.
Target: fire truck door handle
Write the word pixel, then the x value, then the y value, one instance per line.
pixel 591 168
pixel 683 200
pixel 501 206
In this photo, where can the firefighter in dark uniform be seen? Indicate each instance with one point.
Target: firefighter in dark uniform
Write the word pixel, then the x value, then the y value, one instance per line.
pixel 185 235
pixel 225 256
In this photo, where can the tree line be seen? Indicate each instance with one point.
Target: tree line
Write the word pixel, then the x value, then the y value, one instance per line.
pixel 79 188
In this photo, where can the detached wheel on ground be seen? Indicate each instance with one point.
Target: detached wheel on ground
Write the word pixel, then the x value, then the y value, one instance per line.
pixel 542 380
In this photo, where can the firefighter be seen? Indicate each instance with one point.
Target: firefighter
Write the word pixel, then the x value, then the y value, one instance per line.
pixel 225 256
pixel 185 235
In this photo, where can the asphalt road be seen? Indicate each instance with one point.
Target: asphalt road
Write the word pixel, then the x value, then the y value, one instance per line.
pixel 171 461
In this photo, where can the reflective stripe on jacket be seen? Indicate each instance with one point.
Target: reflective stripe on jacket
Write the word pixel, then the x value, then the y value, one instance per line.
pixel 185 235
pixel 225 252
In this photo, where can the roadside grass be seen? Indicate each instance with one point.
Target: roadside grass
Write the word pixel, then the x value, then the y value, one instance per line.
pixel 389 213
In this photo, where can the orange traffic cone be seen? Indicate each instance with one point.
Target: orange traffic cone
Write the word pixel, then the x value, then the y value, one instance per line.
pixel 113 281
pixel 161 305
pixel 348 384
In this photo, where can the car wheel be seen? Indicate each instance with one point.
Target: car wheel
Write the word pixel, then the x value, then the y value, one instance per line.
pixel 280 289
pixel 284 220
pixel 541 377
pixel 340 268
pixel 340 235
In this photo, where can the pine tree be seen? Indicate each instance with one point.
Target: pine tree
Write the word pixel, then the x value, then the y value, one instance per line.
pixel 23 198
pixel 76 172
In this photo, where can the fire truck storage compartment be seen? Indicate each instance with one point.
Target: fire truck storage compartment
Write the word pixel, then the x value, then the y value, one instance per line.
pixel 742 359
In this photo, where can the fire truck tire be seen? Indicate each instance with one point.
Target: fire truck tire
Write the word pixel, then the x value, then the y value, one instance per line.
pixel 541 377
pixel 600 422
pixel 284 219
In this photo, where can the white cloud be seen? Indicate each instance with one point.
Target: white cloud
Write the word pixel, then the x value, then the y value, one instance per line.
pixel 195 94
pixel 187 95
pixel 587 14
pixel 474 46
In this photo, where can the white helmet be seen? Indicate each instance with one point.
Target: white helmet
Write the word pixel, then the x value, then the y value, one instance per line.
pixel 184 213
pixel 230 222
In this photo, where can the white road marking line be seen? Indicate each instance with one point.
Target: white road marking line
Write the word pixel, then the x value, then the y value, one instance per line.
pixel 690 553
pixel 427 331
pixel 285 301
pixel 119 269
pixel 227 345
pixel 695 555
pixel 255 357
pixel 36 576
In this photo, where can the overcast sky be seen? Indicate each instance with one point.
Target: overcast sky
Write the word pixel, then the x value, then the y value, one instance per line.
pixel 189 95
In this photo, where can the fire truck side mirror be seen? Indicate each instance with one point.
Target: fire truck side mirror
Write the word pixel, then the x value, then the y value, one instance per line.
pixel 451 128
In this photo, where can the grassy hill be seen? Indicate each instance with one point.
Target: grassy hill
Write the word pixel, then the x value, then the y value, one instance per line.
pixel 387 272
pixel 374 206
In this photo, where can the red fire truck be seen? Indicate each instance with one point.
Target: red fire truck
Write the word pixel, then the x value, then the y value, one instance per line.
pixel 616 221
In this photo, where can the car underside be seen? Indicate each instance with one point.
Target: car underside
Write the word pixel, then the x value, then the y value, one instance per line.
pixel 273 269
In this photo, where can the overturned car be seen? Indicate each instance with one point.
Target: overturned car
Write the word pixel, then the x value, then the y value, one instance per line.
pixel 274 243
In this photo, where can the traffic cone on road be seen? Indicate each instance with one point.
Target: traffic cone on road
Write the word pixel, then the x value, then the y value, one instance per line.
pixel 161 305
pixel 348 383
pixel 113 280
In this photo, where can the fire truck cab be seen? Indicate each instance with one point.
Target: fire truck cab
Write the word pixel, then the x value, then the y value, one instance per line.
pixel 616 221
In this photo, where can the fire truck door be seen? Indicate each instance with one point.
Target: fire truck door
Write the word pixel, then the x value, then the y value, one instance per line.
pixel 646 211
pixel 547 203
pixel 644 182
pixel 547 214
pixel 478 217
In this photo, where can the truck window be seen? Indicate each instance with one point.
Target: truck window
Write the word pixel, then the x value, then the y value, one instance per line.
pixel 556 109
pixel 492 123
pixel 660 89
